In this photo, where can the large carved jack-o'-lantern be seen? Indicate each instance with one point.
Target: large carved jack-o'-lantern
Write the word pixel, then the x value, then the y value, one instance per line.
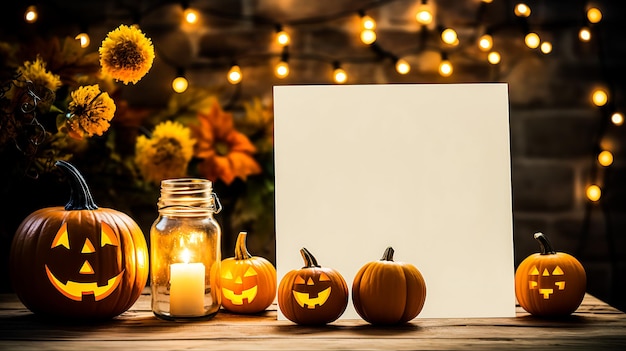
pixel 78 261
pixel 313 294
pixel 550 283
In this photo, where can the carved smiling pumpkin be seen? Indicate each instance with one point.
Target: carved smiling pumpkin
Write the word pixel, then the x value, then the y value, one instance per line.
pixel 312 295
pixel 248 283
pixel 550 283
pixel 78 261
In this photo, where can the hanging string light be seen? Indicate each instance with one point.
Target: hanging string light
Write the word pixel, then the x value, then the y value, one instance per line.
pixel 339 75
pixel 594 15
pixel 532 40
pixel 84 39
pixel 494 57
pixel 191 15
pixel 584 34
pixel 445 66
pixel 485 42
pixel 617 118
pixel 593 192
pixel 282 37
pixel 599 97
pixel 522 10
pixel 281 70
pixel 402 66
pixel 368 36
pixel 449 36
pixel 425 13
pixel 605 158
pixel 234 74
pixel 31 15
pixel 546 47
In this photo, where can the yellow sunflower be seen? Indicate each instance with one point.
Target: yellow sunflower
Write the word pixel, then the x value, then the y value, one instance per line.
pixel 126 54
pixel 166 154
pixel 89 112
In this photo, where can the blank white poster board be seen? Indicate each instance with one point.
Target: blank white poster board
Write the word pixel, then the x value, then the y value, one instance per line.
pixel 423 168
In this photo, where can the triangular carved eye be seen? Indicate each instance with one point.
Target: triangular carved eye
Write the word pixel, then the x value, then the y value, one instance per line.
pixel 534 271
pixel 61 239
pixel 557 271
pixel 227 275
pixel 299 280
pixel 324 277
pixel 250 272
pixel 108 236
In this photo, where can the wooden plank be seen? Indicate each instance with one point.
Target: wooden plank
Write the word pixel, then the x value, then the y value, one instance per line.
pixel 594 325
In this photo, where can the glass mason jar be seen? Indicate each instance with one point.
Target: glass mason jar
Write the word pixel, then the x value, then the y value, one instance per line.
pixel 185 251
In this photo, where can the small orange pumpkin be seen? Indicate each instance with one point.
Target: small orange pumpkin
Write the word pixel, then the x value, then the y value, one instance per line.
pixel 312 295
pixel 387 292
pixel 248 283
pixel 550 283
pixel 78 261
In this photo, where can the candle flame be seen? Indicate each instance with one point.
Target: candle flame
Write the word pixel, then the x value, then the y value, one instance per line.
pixel 186 256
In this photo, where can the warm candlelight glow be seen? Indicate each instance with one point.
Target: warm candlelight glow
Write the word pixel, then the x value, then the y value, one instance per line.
pixel 584 34
pixel 522 10
pixel 617 118
pixel 282 69
pixel 187 287
pixel 190 15
pixel 31 15
pixel 546 47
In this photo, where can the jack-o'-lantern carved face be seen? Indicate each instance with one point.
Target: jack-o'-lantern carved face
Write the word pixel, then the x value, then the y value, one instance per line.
pixel 312 295
pixel 239 286
pixel 309 293
pixel 546 282
pixel 76 259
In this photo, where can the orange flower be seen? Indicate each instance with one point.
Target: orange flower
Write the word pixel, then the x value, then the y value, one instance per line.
pixel 226 153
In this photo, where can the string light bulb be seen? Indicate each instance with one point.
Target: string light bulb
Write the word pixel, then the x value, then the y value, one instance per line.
pixel 593 192
pixel 339 75
pixel 402 66
pixel 522 10
pixel 31 15
pixel 425 13
pixel 282 37
pixel 234 74
pixel 605 158
pixel 84 39
pixel 584 34
pixel 180 84
pixel 368 22
pixel 594 15
pixel 485 42
pixel 281 70
pixel 532 40
pixel 445 66
pixel 546 47
pixel 449 36
pixel 599 97
pixel 368 36
pixel 617 118
pixel 494 57
pixel 190 15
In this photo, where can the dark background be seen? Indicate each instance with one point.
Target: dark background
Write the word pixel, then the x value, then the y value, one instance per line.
pixel 555 130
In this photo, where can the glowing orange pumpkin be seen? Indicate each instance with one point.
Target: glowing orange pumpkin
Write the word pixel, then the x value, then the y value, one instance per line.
pixel 78 261
pixel 550 283
pixel 248 283
pixel 312 295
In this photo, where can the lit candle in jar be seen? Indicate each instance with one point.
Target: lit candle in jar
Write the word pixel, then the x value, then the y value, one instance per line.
pixel 186 288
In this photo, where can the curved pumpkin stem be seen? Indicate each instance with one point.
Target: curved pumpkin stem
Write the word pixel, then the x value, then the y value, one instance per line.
pixel 388 254
pixel 546 247
pixel 309 260
pixel 80 196
pixel 241 251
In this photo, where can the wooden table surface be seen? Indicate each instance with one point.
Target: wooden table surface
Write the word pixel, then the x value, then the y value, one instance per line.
pixel 594 326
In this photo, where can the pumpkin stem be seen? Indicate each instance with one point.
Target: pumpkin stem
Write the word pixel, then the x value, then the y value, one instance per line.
pixel 309 260
pixel 80 196
pixel 388 254
pixel 546 247
pixel 241 251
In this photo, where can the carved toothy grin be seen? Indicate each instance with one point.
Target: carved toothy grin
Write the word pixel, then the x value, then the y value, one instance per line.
pixel 76 290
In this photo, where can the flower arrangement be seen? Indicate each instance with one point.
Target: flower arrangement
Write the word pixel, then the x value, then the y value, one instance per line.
pixel 59 102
